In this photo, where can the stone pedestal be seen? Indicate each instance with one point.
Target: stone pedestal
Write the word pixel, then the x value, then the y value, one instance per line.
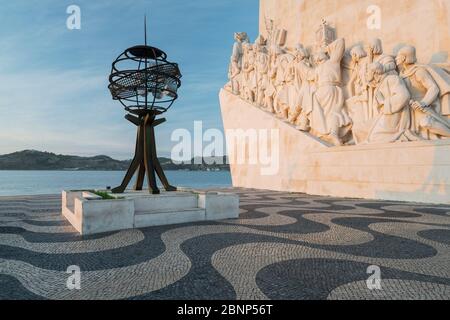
pixel 90 214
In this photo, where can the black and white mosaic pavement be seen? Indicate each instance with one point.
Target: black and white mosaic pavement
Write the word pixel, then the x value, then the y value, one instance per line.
pixel 284 246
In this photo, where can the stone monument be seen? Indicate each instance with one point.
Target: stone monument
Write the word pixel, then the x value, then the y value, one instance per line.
pixel 146 85
pixel 359 94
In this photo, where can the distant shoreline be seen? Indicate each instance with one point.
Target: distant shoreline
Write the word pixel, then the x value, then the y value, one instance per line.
pixel 32 160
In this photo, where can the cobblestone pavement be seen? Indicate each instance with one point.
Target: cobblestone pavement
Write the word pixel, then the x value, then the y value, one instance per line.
pixel 284 246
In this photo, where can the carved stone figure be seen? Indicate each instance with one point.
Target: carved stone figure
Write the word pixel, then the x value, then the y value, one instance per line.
pixel 357 84
pixel 430 89
pixel 270 30
pixel 392 99
pixel 303 75
pixel 287 93
pixel 358 90
pixel 262 71
pixel 234 72
pixel 328 115
pixel 280 75
pixel 271 91
pixel 249 73
pixel 376 55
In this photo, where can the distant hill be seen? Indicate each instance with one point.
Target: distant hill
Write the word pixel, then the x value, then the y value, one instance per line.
pixel 37 160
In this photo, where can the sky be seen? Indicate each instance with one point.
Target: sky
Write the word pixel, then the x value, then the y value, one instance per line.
pixel 53 81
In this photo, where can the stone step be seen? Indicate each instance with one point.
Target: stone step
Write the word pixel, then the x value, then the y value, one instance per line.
pixel 151 218
pixel 166 202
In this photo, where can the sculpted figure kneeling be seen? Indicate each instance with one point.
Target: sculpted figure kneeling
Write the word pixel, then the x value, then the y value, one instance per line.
pixel 430 91
pixel 391 96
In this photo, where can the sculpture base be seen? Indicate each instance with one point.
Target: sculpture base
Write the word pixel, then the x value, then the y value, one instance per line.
pixel 90 214
pixel 145 161
pixel 405 171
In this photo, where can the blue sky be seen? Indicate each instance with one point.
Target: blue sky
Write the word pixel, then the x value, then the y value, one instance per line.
pixel 53 81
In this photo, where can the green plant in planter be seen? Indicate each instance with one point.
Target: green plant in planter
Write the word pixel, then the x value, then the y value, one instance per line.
pixel 104 195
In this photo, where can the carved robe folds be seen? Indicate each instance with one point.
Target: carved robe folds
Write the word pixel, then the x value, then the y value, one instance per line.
pixel 430 85
pixel 394 119
pixel 303 75
pixel 328 114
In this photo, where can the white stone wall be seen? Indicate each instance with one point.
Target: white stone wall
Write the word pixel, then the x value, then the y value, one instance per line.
pixel 424 24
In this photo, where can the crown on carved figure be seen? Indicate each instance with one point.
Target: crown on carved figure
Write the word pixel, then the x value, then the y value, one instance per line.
pixel 325 35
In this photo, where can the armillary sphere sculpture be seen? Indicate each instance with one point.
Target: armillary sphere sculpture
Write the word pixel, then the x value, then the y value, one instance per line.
pixel 146 84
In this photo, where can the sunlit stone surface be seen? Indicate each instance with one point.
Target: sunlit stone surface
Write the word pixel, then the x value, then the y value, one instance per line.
pixel 358 94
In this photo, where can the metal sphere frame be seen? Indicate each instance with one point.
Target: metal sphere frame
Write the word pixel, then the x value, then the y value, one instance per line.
pixel 146 90
pixel 154 76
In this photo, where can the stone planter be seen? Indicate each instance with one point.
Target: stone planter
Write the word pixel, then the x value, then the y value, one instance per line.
pixel 90 214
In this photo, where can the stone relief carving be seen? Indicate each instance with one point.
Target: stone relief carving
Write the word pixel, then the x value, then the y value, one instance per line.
pixel 234 73
pixel 249 85
pixel 303 82
pixel 391 100
pixel 430 95
pixel 328 117
pixel 342 95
